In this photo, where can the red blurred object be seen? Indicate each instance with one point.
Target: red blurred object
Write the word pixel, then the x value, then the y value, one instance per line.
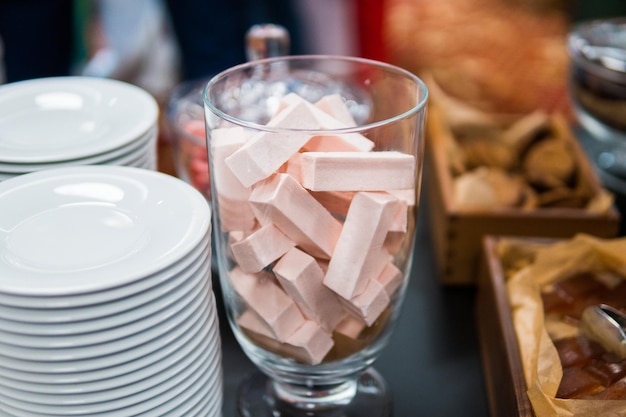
pixel 370 15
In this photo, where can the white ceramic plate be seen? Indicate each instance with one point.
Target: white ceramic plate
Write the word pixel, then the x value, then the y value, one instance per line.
pixel 100 315
pixel 60 309
pixel 202 370
pixel 210 398
pixel 142 144
pixel 117 314
pixel 206 337
pixel 83 229
pixel 201 353
pixel 61 118
pixel 145 161
pixel 158 324
pixel 126 325
pixel 202 402
pixel 99 362
pixel 88 372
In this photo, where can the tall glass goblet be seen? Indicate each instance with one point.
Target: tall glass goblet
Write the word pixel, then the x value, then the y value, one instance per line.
pixel 316 165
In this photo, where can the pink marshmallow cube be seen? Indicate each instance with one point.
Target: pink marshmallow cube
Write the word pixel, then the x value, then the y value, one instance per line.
pixel 347 142
pixel 266 151
pixel 350 326
pixel 336 142
pixel 394 242
pixel 282 201
pixel 292 166
pixel 268 301
pixel 336 202
pixel 400 219
pixel 235 215
pixel 357 171
pixel 260 248
pixel 289 100
pixel 224 142
pixel 308 344
pixel 301 277
pixel 391 278
pixel 251 321
pixel 358 257
pixel 232 196
pixel 406 195
pixel 334 105
pixel 370 303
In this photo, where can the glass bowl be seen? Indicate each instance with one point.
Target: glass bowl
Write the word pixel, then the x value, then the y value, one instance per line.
pixel 597 49
pixel 185 117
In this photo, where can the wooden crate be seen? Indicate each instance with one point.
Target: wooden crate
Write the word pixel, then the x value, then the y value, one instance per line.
pixel 501 361
pixel 457 234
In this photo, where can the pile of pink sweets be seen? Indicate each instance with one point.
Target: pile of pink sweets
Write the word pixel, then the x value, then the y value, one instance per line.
pixel 193 156
pixel 313 224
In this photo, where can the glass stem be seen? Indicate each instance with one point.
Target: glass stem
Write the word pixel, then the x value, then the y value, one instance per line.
pixel 314 398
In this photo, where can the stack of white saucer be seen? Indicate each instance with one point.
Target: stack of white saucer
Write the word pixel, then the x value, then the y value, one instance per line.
pixel 106 301
pixel 66 121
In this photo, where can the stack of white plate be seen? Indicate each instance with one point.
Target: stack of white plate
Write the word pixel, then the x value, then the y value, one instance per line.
pixel 65 121
pixel 106 301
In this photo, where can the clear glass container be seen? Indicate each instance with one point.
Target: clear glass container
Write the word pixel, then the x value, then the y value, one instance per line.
pixel 185 116
pixel 316 165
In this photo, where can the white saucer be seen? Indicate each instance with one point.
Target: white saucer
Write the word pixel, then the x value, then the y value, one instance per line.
pixel 87 372
pixel 206 402
pixel 130 322
pixel 114 224
pixel 102 303
pixel 103 317
pixel 154 397
pixel 141 145
pixel 75 362
pixel 206 351
pixel 173 317
pixel 203 402
pixel 61 118
pixel 206 336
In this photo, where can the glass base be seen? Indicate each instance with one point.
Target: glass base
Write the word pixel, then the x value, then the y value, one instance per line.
pixel 368 396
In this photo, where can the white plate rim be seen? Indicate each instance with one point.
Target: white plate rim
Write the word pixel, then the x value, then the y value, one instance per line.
pixel 177 314
pixel 111 89
pixel 171 302
pixel 202 350
pixel 83 303
pixel 193 228
pixel 172 342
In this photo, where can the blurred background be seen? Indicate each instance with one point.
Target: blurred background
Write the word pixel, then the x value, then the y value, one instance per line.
pixel 507 56
pixel 158 43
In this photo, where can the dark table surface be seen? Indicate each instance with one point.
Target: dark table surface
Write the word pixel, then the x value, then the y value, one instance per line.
pixel 432 363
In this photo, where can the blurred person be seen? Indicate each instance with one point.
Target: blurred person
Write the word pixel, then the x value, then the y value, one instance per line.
pixel 211 33
pixel 37 38
pixel 40 37
pixel 131 41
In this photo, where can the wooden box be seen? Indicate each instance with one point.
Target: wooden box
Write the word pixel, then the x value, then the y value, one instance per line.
pixel 502 366
pixel 457 234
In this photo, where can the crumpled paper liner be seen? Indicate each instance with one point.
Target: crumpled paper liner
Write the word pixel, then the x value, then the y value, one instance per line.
pixel 541 363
